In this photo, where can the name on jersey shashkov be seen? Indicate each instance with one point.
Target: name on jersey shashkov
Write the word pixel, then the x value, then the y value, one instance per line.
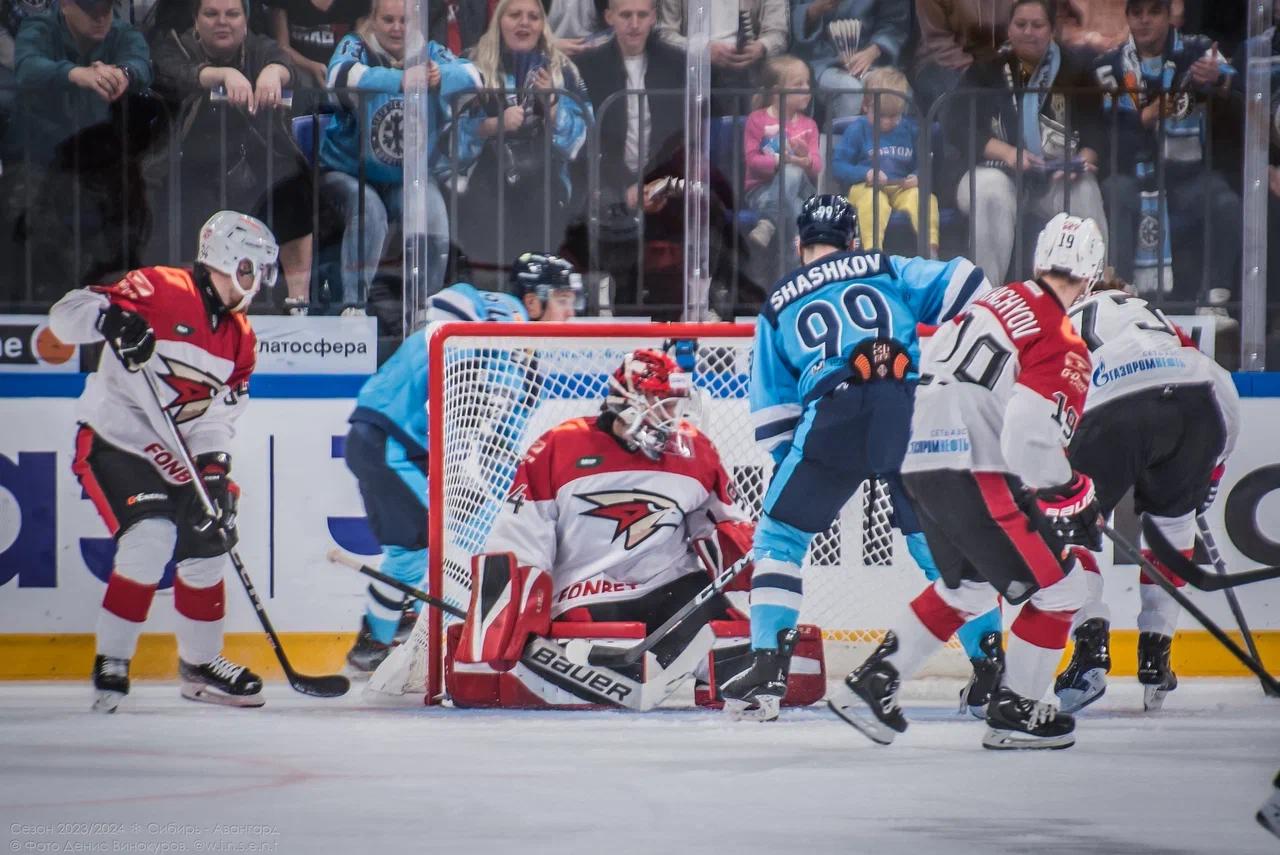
pixel 831 270
pixel 1103 375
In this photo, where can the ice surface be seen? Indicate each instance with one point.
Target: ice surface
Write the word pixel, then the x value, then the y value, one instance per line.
pixel 341 777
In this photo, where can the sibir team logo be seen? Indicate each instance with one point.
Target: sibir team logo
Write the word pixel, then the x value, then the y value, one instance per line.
pixel 636 513
pixel 195 389
pixel 386 135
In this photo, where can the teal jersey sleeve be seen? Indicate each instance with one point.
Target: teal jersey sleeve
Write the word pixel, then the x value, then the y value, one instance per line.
pixel 775 394
pixel 937 291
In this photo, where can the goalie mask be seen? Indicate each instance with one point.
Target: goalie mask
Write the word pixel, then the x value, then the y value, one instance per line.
pixel 651 398
pixel 232 243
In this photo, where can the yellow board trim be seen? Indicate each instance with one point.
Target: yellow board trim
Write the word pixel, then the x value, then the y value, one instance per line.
pixel 70 657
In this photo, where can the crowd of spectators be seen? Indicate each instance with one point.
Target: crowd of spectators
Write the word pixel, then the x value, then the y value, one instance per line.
pixel 558 125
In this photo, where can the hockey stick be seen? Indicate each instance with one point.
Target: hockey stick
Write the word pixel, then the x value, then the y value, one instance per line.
pixel 329 686
pixel 1192 572
pixel 1211 546
pixel 337 556
pixel 1181 599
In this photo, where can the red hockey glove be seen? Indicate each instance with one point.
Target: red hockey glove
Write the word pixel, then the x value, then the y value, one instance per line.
pixel 128 334
pixel 215 473
pixel 1073 513
pixel 1215 480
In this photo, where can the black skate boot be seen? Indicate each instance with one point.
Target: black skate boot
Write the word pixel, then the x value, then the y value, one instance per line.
pixel 1084 680
pixel 1154 673
pixel 755 693
pixel 110 683
pixel 1015 722
pixel 221 682
pixel 1269 814
pixel 986 677
pixel 367 653
pixel 868 697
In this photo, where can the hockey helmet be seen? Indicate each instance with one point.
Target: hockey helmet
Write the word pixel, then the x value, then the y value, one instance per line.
pixel 541 274
pixel 652 398
pixel 229 240
pixel 1072 246
pixel 828 219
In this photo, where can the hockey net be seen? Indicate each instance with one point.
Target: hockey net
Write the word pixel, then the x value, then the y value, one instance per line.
pixel 495 388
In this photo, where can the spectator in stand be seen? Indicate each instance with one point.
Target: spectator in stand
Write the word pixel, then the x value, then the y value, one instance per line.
pixel 781 149
pixel 219 53
pixel 1051 135
pixel 744 33
pixel 842 40
pixel 536 96
pixel 881 174
pixel 1160 80
pixel 637 134
pixel 79 60
pixel 12 14
pixel 308 31
pixel 371 124
pixel 457 24
pixel 578 24
pixel 954 34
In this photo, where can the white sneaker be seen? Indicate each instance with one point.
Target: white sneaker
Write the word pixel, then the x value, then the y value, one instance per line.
pixel 353 312
pixel 762 234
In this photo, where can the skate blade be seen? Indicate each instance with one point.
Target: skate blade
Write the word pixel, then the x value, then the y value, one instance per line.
pixel 209 695
pixel 1015 740
pixel 854 711
pixel 106 702
pixel 764 708
pixel 1269 818
pixel 1073 699
pixel 1153 698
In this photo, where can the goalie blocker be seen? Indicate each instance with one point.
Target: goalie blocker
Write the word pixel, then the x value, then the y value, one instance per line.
pixel 509 653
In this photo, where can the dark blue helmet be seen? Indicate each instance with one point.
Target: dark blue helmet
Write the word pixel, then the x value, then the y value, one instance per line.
pixel 541 273
pixel 828 219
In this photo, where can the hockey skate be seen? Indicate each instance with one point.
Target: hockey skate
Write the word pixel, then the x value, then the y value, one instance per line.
pixel 1015 722
pixel 110 683
pixel 221 682
pixel 367 653
pixel 755 693
pixel 987 671
pixel 868 697
pixel 1154 673
pixel 1269 814
pixel 1084 680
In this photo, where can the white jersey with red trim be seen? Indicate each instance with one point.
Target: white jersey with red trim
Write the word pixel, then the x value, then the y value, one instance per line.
pixel 610 524
pixel 1002 387
pixel 203 366
pixel 1134 347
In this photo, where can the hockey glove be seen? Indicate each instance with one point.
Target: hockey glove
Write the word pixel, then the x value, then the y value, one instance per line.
pixel 1215 480
pixel 1073 513
pixel 128 334
pixel 215 473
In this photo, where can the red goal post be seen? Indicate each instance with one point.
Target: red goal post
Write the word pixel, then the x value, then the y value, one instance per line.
pixel 495 387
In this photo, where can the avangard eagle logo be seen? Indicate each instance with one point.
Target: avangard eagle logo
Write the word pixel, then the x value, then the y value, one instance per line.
pixel 196 390
pixel 635 513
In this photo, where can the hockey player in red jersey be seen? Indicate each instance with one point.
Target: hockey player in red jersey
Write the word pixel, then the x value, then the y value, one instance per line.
pixel 189 328
pixel 1002 388
pixel 612 523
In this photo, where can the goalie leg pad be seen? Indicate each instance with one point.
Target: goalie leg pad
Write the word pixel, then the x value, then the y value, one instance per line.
pixel 508 604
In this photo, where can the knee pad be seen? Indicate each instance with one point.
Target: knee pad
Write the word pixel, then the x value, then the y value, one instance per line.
pixel 203 572
pixel 1068 594
pixel 144 548
pixel 971 599
pixel 780 541
pixel 1179 531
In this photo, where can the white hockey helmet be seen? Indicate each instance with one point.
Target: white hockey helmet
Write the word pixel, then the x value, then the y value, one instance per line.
pixel 228 239
pixel 1073 246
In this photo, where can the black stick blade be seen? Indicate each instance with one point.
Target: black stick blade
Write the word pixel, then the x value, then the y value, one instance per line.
pixel 330 686
pixel 1193 573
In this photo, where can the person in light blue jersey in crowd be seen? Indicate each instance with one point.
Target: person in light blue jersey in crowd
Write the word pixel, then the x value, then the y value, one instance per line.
pixel 832 388
pixel 379 61
pixel 386 447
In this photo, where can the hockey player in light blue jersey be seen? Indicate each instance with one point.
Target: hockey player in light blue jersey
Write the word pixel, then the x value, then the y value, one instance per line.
pixel 386 447
pixel 832 388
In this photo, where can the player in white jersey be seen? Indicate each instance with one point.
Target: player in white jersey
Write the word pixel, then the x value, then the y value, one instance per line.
pixel 1161 419
pixel 189 328
pixel 1001 390
pixel 612 520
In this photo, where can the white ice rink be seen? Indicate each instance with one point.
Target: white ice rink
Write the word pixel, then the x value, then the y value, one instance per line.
pixel 312 776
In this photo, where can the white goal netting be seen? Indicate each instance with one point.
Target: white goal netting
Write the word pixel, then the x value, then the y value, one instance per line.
pixel 495 388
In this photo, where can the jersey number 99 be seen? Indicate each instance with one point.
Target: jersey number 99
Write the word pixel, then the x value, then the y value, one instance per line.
pixel 822 324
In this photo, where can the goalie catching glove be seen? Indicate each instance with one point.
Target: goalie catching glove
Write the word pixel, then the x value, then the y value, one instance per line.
pixel 508 604
pixel 1072 512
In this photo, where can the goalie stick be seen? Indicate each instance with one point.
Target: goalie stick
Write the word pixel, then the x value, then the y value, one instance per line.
pixel 1215 557
pixel 327 686
pixel 1192 572
pixel 1132 553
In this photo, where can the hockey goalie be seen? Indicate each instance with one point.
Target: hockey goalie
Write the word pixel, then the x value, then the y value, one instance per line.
pixel 612 524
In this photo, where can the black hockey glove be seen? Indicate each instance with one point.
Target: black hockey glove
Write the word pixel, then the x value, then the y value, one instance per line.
pixel 215 473
pixel 128 334
pixel 1072 512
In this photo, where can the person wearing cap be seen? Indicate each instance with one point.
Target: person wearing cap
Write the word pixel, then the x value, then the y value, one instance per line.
pixel 81 60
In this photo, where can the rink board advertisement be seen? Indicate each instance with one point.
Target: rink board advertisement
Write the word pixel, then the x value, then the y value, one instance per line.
pixel 299 500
